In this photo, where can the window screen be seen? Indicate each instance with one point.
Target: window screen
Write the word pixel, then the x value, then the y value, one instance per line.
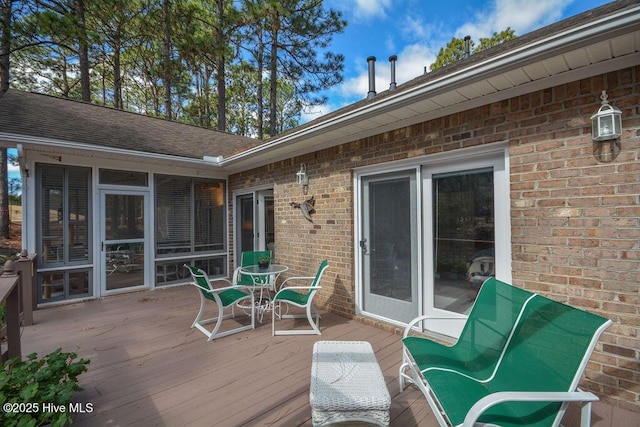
pixel 64 214
pixel 189 215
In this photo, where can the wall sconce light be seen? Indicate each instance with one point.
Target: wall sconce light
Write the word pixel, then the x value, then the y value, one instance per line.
pixel 302 178
pixel 606 128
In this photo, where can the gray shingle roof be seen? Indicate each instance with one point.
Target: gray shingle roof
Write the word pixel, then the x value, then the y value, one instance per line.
pixel 45 116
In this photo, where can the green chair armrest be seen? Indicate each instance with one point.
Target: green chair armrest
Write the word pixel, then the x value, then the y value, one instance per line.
pixel 411 324
pixel 298 288
pixel 493 399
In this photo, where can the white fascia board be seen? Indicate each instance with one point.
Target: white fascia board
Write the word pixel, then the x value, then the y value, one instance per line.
pixel 618 23
pixel 33 141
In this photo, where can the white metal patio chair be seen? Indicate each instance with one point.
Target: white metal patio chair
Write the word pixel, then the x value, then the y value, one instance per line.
pixel 224 297
pixel 299 296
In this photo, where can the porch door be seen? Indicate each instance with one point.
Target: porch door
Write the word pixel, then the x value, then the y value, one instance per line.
pixel 255 222
pixel 389 246
pixel 123 246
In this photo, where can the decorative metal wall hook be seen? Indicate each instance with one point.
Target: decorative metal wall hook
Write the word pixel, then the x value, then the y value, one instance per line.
pixel 307 207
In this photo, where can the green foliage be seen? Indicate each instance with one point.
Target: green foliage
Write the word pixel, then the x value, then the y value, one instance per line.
pixel 455 49
pixel 495 39
pixel 38 384
pixel 264 259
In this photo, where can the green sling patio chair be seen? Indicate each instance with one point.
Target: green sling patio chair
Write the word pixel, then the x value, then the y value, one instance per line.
pixel 526 379
pixel 253 258
pixel 299 296
pixel 476 351
pixel 224 297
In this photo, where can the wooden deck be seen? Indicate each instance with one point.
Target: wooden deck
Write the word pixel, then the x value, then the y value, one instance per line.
pixel 148 367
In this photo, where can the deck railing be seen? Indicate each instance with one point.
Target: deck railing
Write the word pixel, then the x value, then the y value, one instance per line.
pixel 17 286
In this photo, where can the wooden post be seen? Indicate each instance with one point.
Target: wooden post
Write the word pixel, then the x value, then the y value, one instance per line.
pixel 27 269
pixel 10 294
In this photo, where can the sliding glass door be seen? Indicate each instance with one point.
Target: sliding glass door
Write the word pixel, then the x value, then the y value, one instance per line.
pixel 429 237
pixel 463 237
pixel 389 246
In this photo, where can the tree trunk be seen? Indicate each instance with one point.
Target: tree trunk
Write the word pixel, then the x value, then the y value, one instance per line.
pixel 166 56
pixel 117 79
pixel 4 195
pixel 5 45
pixel 260 94
pixel 221 84
pixel 83 51
pixel 273 94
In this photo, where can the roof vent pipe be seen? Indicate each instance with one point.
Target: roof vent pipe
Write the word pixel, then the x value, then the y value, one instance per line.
pixel 467 46
pixel 392 60
pixel 372 77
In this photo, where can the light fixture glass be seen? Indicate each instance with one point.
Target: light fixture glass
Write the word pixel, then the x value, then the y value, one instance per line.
pixel 606 123
pixel 301 176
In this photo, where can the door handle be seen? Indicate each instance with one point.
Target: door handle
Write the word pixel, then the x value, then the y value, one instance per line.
pixel 363 247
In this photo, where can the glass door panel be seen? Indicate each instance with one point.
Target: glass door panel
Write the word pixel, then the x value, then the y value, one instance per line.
pixel 255 224
pixel 463 237
pixel 266 224
pixel 389 246
pixel 123 243
pixel 245 222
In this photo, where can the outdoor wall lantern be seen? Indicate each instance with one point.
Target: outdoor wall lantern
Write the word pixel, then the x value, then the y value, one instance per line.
pixel 302 178
pixel 606 127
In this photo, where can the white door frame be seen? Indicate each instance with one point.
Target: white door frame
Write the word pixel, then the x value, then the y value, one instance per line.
pixel 495 155
pixel 148 231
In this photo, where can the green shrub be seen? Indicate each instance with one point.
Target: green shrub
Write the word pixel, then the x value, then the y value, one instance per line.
pixel 36 391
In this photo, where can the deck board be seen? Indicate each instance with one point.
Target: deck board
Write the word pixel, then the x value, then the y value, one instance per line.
pixel 148 367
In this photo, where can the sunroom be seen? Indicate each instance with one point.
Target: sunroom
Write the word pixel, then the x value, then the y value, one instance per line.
pixel 115 201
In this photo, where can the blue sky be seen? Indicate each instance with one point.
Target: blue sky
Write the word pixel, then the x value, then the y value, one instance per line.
pixel 415 30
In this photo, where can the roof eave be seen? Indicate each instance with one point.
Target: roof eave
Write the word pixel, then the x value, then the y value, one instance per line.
pixel 42 144
pixel 556 44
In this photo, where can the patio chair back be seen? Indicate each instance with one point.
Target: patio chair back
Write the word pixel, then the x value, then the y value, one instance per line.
pixel 556 337
pixel 476 352
pixel 201 281
pixel 316 281
pixel 547 351
pixel 252 258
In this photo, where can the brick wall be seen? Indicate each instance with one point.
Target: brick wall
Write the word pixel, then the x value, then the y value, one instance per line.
pixel 575 221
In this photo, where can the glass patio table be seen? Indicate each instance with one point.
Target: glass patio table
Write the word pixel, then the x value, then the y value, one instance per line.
pixel 263 279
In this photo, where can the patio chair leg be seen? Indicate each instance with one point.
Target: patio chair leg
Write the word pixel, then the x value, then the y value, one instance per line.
pixel 200 312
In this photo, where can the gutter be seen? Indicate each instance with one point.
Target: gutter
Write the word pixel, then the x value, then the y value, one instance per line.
pixel 26 141
pixel 617 23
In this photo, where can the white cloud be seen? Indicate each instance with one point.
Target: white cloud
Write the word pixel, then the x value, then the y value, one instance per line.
pixel 414 28
pixel 412 60
pixel 523 16
pixel 365 9
pixel 312 113
pixel 410 64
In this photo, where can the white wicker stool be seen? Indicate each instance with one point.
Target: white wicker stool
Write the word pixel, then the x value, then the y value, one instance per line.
pixel 347 384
